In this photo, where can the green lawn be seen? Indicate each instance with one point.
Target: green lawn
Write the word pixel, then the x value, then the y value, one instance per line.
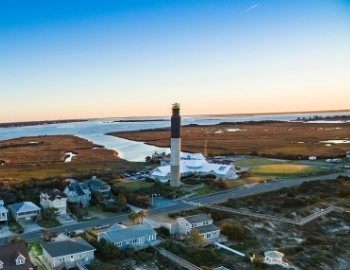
pixel 205 190
pixel 132 184
pixel 49 223
pixel 15 227
pixel 263 169
pixel 97 209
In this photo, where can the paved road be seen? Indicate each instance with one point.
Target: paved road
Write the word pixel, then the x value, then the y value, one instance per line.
pixel 180 205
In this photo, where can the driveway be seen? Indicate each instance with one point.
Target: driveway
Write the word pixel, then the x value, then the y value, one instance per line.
pixel 29 226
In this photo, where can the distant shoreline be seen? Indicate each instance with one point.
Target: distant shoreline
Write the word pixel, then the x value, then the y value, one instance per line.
pixel 156 118
pixel 39 123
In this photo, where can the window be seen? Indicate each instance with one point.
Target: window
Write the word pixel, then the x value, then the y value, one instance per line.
pixel 119 244
pixel 20 261
pixel 134 241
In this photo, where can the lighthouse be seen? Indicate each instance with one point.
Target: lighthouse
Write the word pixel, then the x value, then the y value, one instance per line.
pixel 175 146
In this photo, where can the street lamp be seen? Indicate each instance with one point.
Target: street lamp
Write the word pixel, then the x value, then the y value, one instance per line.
pixel 155 196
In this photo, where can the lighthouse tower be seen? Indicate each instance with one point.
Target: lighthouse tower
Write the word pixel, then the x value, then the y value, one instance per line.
pixel 175 146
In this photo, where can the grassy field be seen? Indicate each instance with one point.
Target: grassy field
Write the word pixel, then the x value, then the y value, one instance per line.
pixel 42 157
pixel 263 169
pixel 268 138
pixel 132 184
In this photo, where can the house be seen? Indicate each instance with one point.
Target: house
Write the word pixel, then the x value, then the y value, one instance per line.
pixel 24 211
pixel 3 212
pixel 137 237
pixel 15 257
pixel 312 158
pixel 274 257
pixel 348 155
pixel 54 198
pixel 195 164
pixel 203 224
pixel 78 193
pixel 96 185
pixel 71 253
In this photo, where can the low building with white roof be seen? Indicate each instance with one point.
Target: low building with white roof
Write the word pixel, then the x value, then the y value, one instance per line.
pixel 196 167
pixel 24 210
pixel 274 257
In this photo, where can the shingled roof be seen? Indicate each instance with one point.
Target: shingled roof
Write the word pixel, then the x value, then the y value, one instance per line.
pixel 9 253
pixel 54 194
pixel 69 247
pixel 198 218
pixel 129 233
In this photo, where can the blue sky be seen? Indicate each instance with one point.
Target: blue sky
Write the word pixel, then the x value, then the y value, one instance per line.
pixel 87 59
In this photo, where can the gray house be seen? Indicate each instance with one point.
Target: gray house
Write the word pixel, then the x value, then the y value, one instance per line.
pixel 137 237
pixel 96 185
pixel 24 211
pixel 203 224
pixel 3 213
pixel 69 253
pixel 78 193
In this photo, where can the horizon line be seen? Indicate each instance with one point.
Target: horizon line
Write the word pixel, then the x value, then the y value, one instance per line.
pixel 187 115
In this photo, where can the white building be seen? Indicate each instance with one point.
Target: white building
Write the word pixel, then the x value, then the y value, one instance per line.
pixel 274 257
pixel 24 211
pixel 312 158
pixel 195 163
pixel 348 155
pixel 3 212
pixel 54 198
pixel 203 224
pixel 78 193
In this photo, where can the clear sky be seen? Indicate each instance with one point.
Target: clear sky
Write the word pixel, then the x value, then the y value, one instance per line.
pixel 89 59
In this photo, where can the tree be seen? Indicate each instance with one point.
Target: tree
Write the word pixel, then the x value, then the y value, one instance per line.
pixel 109 251
pixel 121 202
pixel 195 239
pixel 50 213
pixel 148 159
pixel 233 231
pixel 98 196
pixel 133 216
pixel 142 214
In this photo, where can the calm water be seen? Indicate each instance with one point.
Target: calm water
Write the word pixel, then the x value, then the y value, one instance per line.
pixel 95 130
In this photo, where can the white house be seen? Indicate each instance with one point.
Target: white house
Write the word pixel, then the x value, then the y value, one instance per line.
pixel 78 193
pixel 348 155
pixel 137 237
pixel 274 257
pixel 312 158
pixel 3 212
pixel 197 165
pixel 54 198
pixel 24 210
pixel 70 253
pixel 203 224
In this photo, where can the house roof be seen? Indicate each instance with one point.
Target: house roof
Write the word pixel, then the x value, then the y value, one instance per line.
pixel 9 253
pixel 24 207
pixel 68 247
pixel 78 188
pixel 54 194
pixel 274 254
pixel 198 218
pixel 221 268
pixel 207 228
pixel 96 182
pixel 129 233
